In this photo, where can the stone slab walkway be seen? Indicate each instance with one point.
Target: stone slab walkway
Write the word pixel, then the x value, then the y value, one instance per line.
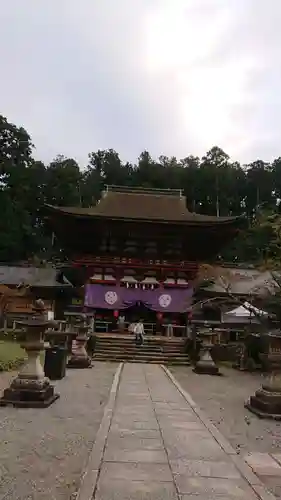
pixel 155 444
pixel 268 468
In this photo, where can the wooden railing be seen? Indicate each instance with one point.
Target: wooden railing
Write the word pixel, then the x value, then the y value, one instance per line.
pixel 133 262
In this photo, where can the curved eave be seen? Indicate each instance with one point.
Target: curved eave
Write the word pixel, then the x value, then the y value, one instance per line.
pixel 194 220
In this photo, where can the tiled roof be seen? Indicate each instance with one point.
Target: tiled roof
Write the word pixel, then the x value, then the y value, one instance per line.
pixel 243 282
pixel 143 206
pixel 33 276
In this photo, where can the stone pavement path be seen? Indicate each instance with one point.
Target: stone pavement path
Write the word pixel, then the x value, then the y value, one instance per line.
pixel 156 445
pixel 268 468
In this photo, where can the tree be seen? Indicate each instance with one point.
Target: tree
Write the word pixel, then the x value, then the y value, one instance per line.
pixel 105 168
pixel 15 158
pixel 146 172
pixel 221 184
pixel 15 146
pixel 264 238
pixel 190 182
pixel 14 229
pixel 259 187
pixel 63 179
pixel 212 185
pixel 276 179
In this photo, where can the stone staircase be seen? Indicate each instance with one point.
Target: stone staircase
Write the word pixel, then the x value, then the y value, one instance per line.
pixel 155 350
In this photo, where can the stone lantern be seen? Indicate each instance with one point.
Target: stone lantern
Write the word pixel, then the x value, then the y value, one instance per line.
pixel 31 389
pixel 79 356
pixel 266 403
pixel 206 365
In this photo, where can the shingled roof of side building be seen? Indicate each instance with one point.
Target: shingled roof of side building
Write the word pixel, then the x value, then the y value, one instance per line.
pixel 243 281
pixel 36 277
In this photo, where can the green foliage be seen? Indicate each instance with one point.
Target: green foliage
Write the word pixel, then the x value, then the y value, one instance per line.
pixel 212 185
pixel 11 356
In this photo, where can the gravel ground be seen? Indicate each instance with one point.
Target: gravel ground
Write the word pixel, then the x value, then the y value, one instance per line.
pixel 222 399
pixel 43 452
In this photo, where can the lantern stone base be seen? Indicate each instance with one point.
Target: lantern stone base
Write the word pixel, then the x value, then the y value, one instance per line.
pixel 79 362
pixel 266 403
pixel 79 356
pixel 29 393
pixel 247 365
pixel 206 364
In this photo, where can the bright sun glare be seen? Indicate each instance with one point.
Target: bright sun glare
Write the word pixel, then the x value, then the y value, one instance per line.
pixel 180 44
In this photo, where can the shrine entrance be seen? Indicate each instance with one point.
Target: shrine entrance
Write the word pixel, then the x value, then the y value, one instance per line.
pixel 163 312
pixel 140 311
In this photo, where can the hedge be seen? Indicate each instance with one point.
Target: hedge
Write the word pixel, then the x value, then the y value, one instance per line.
pixel 11 355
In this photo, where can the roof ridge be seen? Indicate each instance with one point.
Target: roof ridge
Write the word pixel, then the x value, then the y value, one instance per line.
pixel 112 188
pixel 139 193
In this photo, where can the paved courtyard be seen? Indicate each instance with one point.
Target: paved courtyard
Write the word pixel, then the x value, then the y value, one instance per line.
pixel 43 452
pixel 156 444
pixel 135 434
pixel 222 399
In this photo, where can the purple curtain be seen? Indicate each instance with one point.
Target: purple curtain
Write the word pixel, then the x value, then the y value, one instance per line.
pixel 116 297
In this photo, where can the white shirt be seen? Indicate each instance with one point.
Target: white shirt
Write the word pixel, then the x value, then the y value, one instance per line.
pixel 139 328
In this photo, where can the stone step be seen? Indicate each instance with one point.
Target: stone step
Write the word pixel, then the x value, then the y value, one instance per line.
pixel 135 353
pixel 129 344
pixel 121 357
pixel 150 341
pixel 144 358
pixel 138 360
pixel 173 348
pixel 138 349
pixel 138 353
pixel 128 348
pixel 132 342
pixel 154 350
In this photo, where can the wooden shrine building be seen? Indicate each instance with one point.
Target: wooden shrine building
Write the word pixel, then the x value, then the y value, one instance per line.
pixel 138 251
pixel 20 285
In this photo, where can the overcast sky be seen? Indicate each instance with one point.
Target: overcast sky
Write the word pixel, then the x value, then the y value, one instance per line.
pixel 172 76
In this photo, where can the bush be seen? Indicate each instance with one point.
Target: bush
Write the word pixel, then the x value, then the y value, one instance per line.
pixel 11 356
pixel 10 336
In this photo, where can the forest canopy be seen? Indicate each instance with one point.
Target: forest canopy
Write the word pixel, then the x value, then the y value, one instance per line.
pixel 213 185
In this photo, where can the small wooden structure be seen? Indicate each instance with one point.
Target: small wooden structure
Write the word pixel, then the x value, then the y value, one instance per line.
pixel 19 285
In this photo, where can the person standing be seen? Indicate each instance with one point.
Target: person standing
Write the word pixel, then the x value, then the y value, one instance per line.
pixel 121 323
pixel 170 329
pixel 139 332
